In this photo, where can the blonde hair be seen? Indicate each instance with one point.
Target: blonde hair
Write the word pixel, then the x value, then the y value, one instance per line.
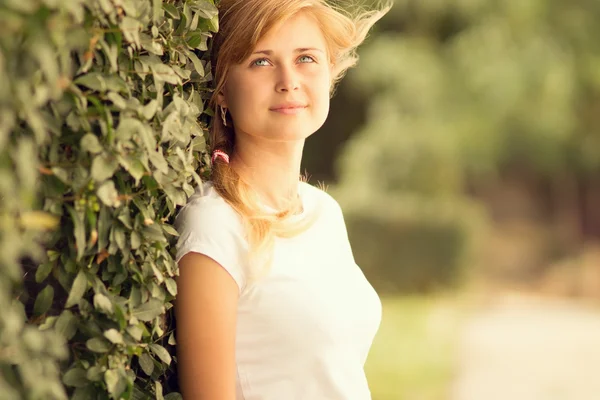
pixel 242 24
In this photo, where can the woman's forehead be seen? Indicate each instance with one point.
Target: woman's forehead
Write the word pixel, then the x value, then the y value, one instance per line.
pixel 300 31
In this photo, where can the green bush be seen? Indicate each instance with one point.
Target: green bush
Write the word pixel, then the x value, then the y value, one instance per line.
pixel 412 245
pixel 102 130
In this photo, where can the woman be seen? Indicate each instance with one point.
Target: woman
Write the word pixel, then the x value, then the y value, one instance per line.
pixel 270 303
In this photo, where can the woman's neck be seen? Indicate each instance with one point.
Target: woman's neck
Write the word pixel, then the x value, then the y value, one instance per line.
pixel 271 168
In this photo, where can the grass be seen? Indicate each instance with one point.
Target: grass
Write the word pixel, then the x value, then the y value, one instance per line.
pixel 412 356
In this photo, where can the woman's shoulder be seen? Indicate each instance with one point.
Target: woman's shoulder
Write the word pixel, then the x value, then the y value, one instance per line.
pixel 318 195
pixel 208 208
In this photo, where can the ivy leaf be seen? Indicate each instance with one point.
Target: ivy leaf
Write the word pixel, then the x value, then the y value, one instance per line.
pixel 171 10
pixel 77 290
pixel 131 29
pixel 78 230
pixel 135 331
pixel 97 345
pixel 90 143
pixel 146 363
pixel 95 373
pixel 108 194
pixel 114 336
pixel 206 9
pixel 43 301
pixel 171 286
pixel 93 80
pixel 116 382
pixel 43 271
pixel 195 60
pixel 165 73
pixel 157 11
pixel 158 390
pixel 150 310
pixel 161 353
pixel 104 167
pixel 103 304
pixel 66 324
pixel 170 230
pixel 75 377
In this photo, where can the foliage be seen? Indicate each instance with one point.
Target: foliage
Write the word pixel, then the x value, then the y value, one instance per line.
pixel 461 92
pixel 103 121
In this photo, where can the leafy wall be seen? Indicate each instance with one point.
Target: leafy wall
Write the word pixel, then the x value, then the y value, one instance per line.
pixel 102 130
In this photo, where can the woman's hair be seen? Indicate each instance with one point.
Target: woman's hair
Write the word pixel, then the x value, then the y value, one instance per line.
pixel 242 24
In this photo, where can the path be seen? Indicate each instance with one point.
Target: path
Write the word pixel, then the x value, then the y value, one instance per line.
pixel 530 349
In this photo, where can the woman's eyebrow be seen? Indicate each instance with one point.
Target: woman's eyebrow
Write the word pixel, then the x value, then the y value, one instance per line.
pixel 299 50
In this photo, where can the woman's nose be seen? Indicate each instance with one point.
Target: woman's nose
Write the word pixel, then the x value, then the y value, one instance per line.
pixel 288 80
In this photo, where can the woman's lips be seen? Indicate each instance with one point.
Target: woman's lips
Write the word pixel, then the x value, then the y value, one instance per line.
pixel 289 107
pixel 289 110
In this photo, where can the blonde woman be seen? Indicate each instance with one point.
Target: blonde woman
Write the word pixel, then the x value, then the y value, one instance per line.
pixel 270 304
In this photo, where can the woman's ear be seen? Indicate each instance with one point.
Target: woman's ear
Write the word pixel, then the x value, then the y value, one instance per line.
pixel 221 99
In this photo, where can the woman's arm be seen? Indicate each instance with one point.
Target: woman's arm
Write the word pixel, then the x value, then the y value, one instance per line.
pixel 205 309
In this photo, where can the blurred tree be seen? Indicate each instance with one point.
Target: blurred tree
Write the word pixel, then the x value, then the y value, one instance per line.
pixel 469 94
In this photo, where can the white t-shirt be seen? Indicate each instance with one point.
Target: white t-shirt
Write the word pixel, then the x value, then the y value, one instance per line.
pixel 305 329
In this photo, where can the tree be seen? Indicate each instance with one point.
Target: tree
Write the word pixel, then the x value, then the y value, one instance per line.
pixel 462 93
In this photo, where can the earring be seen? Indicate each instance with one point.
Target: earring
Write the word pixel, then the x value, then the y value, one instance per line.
pixel 224 115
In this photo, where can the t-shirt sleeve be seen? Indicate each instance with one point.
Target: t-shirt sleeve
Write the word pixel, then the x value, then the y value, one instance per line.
pixel 216 231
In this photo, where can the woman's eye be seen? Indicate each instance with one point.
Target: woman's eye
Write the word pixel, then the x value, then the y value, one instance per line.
pixel 306 59
pixel 261 62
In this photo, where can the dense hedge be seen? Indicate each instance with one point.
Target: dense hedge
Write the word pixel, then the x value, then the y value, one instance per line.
pixel 102 124
pixel 407 244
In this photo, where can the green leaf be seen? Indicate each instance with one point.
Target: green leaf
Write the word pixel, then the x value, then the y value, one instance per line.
pixel 43 301
pixel 77 290
pixel 112 379
pixel 133 166
pixel 66 324
pixel 173 396
pixel 158 390
pixel 120 237
pixel 171 286
pixel 103 304
pixel 171 10
pixel 78 230
pixel 131 29
pixel 146 363
pixel 93 80
pixel 117 100
pixel 135 332
pixel 95 373
pixel 43 271
pixel 165 73
pixel 149 109
pixel 97 345
pixel 195 60
pixel 170 230
pixel 104 167
pixel 206 9
pixel 157 10
pixel 158 160
pixel 172 340
pixel 136 240
pixel 161 353
pixel 150 310
pixel 75 377
pixel 213 24
pixel 89 142
pixel 108 194
pixel 114 336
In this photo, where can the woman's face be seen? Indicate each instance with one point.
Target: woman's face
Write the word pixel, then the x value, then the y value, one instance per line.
pixel 281 91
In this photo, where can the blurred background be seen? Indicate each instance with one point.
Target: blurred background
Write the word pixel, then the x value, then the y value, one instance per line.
pixel 465 151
